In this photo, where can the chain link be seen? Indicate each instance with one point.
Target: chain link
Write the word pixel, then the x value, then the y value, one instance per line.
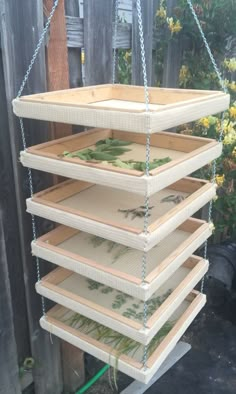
pixel 224 88
pixel 30 178
pixel 114 41
pixel 217 71
pixel 145 229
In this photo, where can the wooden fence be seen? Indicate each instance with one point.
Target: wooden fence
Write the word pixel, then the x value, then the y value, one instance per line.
pixel 56 367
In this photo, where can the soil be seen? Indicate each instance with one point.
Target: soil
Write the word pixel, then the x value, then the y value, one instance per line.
pixel 209 367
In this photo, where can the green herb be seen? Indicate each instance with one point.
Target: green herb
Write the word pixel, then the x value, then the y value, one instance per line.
pixel 135 212
pixel 108 151
pixel 119 250
pixel 175 198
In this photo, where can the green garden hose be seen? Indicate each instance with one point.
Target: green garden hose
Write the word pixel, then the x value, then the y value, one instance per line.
pixel 93 380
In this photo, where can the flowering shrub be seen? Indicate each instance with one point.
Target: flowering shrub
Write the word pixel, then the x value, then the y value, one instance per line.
pixel 225 205
pixel 217 18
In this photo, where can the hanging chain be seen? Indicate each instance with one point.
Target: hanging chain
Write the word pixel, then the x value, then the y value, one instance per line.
pixel 114 41
pixel 30 178
pixel 145 229
pixel 224 88
pixel 217 71
pixel 41 39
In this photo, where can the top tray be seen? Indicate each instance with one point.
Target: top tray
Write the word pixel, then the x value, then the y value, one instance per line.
pixel 122 107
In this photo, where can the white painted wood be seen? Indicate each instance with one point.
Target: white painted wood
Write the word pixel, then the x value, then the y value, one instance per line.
pixel 140 185
pixel 182 253
pixel 74 113
pixel 139 241
pixel 183 282
pixel 143 375
pixel 177 353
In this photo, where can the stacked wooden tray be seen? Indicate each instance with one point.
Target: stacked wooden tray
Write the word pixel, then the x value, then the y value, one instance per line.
pixel 100 243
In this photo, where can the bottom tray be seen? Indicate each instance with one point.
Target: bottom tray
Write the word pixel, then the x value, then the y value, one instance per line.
pixel 90 337
pixel 117 310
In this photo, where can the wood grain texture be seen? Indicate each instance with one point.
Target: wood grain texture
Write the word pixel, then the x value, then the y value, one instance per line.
pixel 147 17
pixel 57 62
pixel 18 44
pixel 9 208
pixel 173 55
pixel 74 54
pixel 97 41
pixel 9 370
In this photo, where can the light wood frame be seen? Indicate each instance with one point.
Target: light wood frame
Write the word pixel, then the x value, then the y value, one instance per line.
pixel 81 106
pixel 126 364
pixel 46 204
pixel 197 152
pixel 49 287
pixel 48 248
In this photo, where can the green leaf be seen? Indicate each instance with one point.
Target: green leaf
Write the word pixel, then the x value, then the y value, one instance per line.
pixel 102 156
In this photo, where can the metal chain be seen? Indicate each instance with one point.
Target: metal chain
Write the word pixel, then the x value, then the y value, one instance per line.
pixel 30 178
pixel 41 39
pixel 114 41
pixel 217 71
pixel 224 88
pixel 145 229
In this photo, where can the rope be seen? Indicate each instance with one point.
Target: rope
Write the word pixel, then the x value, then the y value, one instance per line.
pixel 146 204
pixel 224 88
pixel 30 178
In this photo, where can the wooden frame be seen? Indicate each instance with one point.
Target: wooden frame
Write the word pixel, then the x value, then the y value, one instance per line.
pixel 188 153
pixel 122 107
pixel 59 203
pixel 51 247
pixel 75 295
pixel 53 323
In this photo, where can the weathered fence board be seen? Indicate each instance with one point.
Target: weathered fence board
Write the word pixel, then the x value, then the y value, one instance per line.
pixel 20 30
pixel 9 372
pixel 97 41
pixel 173 55
pixel 8 204
pixel 74 54
pixel 147 21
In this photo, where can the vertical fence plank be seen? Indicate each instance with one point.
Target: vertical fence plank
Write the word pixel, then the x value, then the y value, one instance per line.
pixel 21 25
pixel 156 4
pixel 8 204
pixel 57 61
pixel 58 78
pixel 173 56
pixel 98 41
pixel 9 373
pixel 74 54
pixel 147 16
pixel 73 367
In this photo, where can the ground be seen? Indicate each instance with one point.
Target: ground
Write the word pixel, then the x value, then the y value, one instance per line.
pixel 210 366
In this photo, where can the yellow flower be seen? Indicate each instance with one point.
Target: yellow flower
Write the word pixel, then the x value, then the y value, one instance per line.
pixel 228 127
pixel 232 112
pixel 204 122
pixel 232 86
pixel 127 55
pixel 82 57
pixel 220 180
pixel 230 64
pixel 234 152
pixel 184 75
pixel 230 138
pixel 174 27
pixel 161 13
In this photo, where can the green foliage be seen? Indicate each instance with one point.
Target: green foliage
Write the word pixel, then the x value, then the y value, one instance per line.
pixel 116 250
pixel 108 150
pixel 124 66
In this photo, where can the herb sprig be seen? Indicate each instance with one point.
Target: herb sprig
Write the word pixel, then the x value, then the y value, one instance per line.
pixel 109 150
